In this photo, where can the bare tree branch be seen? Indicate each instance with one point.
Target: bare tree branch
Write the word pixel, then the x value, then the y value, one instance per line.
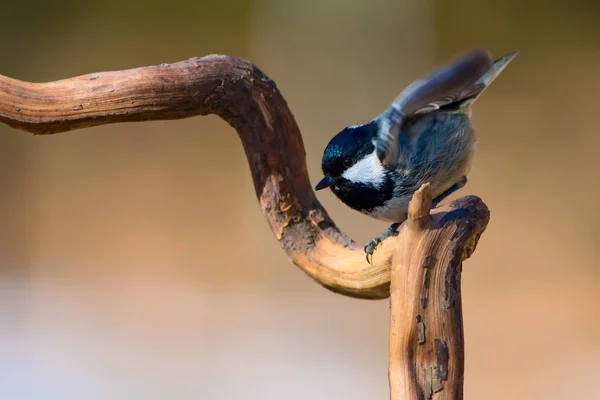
pixel 250 102
pixel 426 329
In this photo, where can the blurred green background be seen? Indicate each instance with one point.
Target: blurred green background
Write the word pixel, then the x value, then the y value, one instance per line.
pixel 117 276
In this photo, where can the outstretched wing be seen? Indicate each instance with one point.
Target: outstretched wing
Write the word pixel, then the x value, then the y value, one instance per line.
pixel 467 93
pixel 459 80
pixel 465 98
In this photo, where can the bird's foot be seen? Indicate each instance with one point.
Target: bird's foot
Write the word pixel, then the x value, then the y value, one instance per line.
pixel 458 185
pixel 370 247
pixel 392 230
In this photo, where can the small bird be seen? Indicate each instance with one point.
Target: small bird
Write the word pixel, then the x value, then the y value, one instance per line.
pixel 425 135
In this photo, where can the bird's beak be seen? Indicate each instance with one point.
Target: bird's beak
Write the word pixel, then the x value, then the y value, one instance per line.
pixel 324 183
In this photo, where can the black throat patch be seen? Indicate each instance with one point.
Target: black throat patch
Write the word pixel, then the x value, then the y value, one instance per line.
pixel 362 197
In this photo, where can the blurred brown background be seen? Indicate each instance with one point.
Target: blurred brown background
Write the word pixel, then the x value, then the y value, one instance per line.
pixel 115 282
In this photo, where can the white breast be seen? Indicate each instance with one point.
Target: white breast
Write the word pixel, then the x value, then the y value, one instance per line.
pixel 393 210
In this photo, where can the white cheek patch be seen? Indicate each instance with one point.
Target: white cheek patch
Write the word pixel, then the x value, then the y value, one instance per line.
pixel 368 170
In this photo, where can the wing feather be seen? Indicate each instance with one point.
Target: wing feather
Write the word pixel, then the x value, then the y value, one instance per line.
pixel 459 80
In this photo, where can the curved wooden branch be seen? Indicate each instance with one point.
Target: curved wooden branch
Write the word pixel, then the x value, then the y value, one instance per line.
pixel 250 102
pixel 426 328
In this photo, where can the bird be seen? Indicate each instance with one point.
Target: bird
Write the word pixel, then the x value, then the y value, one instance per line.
pixel 425 136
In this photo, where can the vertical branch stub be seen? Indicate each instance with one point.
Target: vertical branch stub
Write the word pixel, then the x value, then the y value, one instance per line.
pixel 426 359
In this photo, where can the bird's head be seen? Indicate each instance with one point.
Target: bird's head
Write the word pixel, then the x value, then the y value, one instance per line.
pixel 352 170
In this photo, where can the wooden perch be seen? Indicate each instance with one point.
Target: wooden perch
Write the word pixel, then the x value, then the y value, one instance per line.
pixel 249 101
pixel 426 330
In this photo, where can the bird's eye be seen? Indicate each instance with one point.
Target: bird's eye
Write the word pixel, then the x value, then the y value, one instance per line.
pixel 347 162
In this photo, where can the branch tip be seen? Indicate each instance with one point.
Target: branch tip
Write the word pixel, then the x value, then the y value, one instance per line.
pixel 419 207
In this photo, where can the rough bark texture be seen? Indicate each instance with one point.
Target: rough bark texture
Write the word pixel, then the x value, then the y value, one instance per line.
pixel 426 330
pixel 250 102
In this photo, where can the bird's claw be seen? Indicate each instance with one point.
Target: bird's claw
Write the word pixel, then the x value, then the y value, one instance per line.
pixel 373 243
pixel 370 248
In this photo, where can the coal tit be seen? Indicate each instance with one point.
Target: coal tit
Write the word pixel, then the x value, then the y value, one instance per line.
pixel 425 135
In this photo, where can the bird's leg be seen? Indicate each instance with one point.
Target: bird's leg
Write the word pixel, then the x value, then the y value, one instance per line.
pixel 458 185
pixel 392 230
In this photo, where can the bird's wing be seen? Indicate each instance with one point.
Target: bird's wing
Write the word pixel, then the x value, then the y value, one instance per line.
pixel 463 99
pixel 454 98
pixel 456 80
